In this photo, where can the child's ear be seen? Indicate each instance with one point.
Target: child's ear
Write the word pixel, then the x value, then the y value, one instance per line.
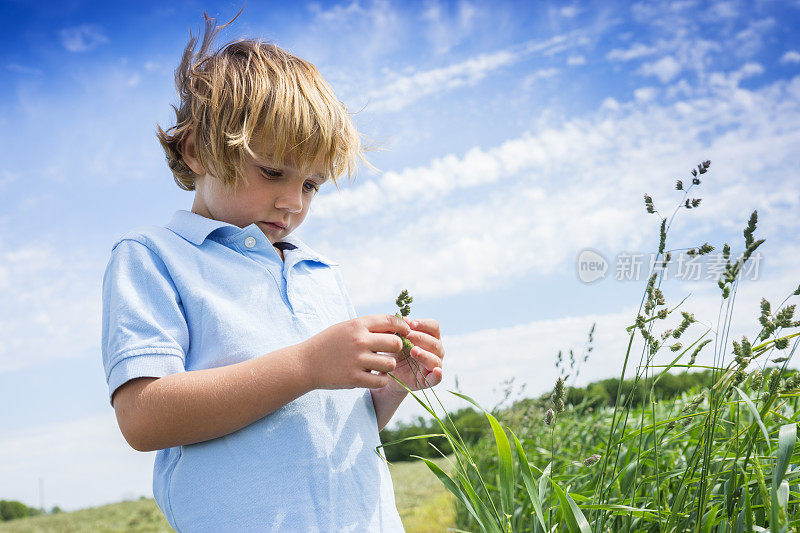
pixel 189 154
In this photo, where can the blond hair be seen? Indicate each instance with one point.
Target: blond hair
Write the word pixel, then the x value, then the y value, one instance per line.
pixel 246 94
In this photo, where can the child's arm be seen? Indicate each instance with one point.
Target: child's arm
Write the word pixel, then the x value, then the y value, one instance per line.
pixel 198 405
pixel 189 407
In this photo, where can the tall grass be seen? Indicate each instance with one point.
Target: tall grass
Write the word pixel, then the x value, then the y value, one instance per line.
pixel 718 459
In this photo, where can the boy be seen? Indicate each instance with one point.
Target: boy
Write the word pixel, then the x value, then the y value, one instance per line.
pixel 229 345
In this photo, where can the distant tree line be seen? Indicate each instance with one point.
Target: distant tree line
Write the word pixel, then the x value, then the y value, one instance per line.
pixel 473 425
pixel 11 510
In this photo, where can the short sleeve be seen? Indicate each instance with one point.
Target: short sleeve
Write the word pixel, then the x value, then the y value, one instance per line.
pixel 145 333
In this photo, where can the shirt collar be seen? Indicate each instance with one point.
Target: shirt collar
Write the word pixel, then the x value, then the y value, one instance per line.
pixel 196 229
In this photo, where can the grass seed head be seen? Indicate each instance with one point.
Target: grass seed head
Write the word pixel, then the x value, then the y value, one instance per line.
pixel 792 382
pixel 648 203
pixel 783 318
pixel 774 377
pixel 696 351
pixel 558 395
pixel 654 345
pixel 592 459
pixel 403 302
pixel 756 380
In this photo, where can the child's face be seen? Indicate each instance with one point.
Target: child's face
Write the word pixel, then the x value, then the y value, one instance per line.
pixel 271 194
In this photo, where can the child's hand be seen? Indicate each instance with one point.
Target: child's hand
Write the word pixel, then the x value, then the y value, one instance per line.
pixel 342 356
pixel 427 353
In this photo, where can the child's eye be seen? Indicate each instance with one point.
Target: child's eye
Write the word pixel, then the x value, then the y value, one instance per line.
pixel 272 173
pixel 313 187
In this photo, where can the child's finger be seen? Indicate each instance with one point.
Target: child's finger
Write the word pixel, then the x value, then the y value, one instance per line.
pixel 429 361
pixel 387 324
pixel 426 325
pixel 426 342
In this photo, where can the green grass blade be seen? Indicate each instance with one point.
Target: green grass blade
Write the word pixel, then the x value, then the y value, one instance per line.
pixel 651 514
pixel 488 523
pixel 576 522
pixel 413 437
pixel 748 508
pixel 505 467
pixel 470 400
pixel 530 483
pixel 783 494
pixel 709 520
pixel 543 481
pixel 754 412
pixel 786 441
pixel 451 486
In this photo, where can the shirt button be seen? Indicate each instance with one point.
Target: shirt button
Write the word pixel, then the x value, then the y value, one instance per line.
pixel 250 242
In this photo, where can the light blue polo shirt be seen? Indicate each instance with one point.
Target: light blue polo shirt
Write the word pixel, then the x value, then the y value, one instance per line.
pixel 200 293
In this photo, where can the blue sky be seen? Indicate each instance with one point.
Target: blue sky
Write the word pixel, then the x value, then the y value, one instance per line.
pixel 513 135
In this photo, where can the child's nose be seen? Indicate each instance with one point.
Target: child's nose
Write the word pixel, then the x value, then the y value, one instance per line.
pixel 290 200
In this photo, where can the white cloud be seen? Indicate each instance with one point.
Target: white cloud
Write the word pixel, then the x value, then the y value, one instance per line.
pixel 403 89
pixel 610 103
pixel 365 31
pixel 82 38
pixel 445 32
pixel 7 178
pixel 733 78
pixel 749 69
pixel 569 11
pixel 565 187
pixel 24 69
pixel 665 69
pixel 791 56
pixel 576 60
pixel 723 10
pixel 645 94
pixel 680 88
pixel 751 39
pixel 540 74
pixel 626 54
pixel 50 305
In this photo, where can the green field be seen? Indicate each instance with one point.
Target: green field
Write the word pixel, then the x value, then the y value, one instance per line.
pixel 423 502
